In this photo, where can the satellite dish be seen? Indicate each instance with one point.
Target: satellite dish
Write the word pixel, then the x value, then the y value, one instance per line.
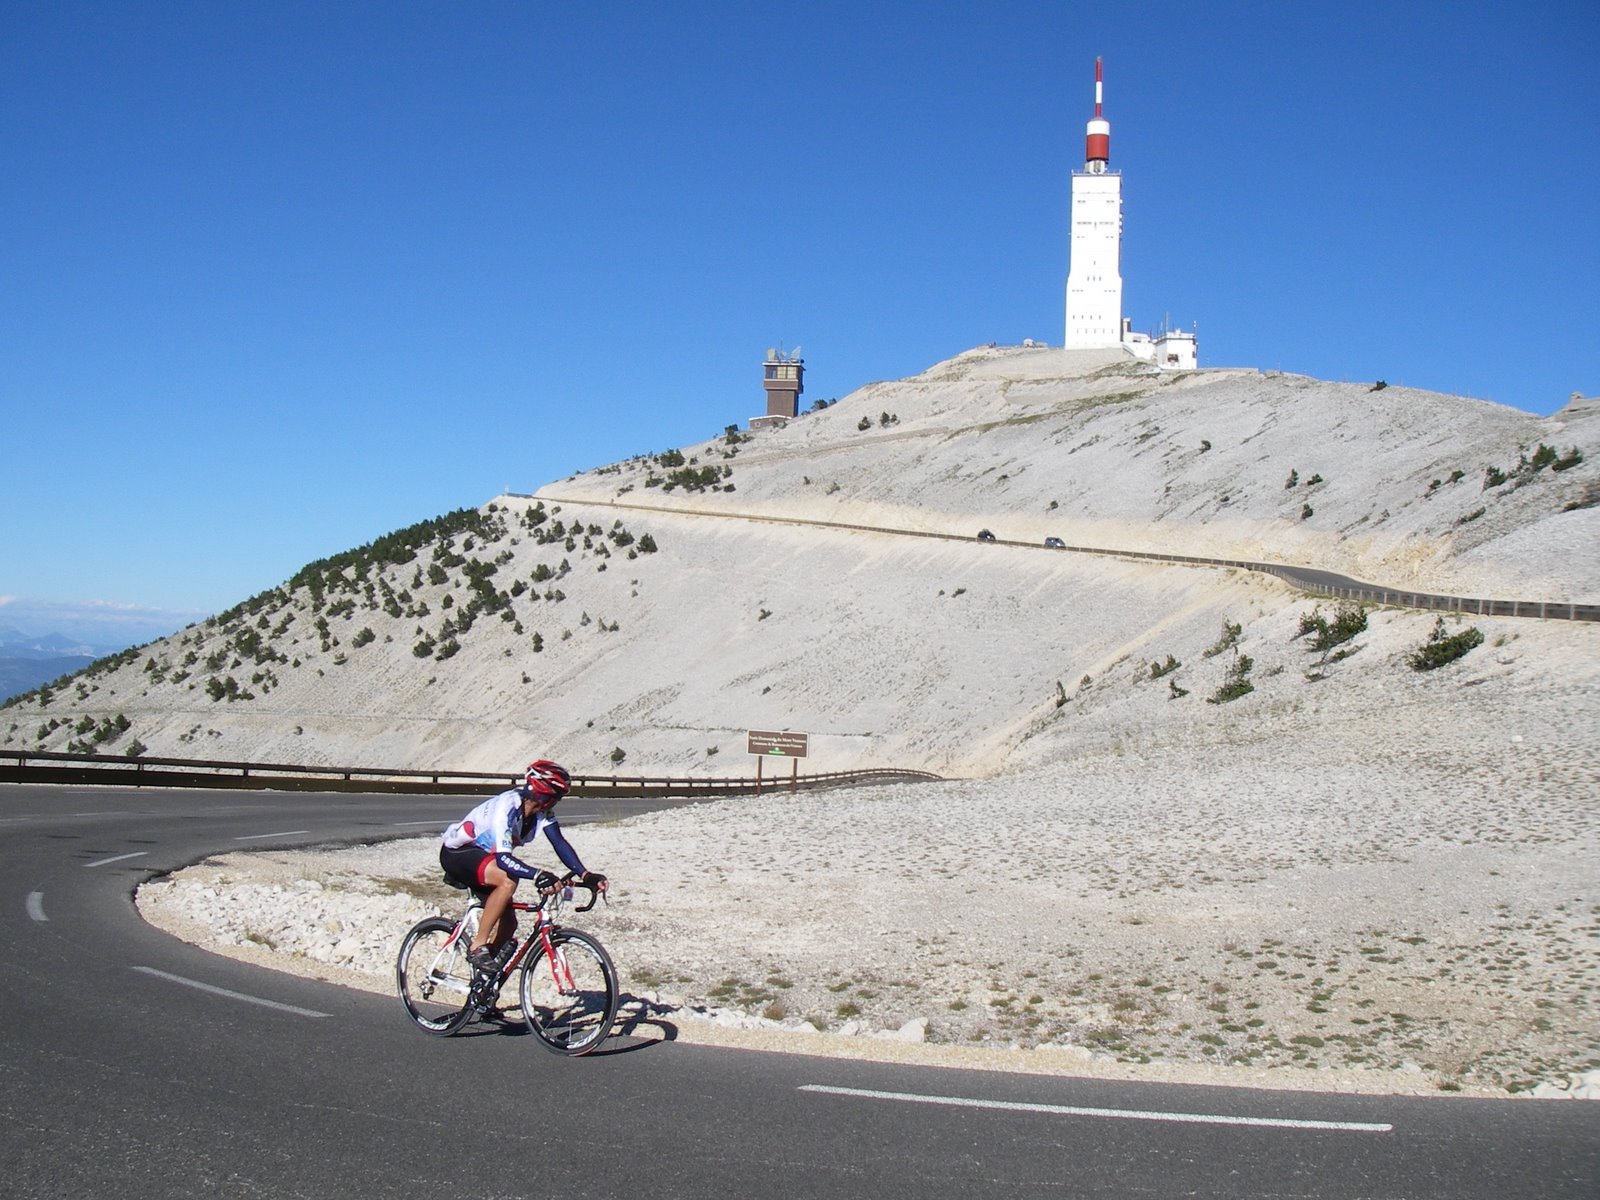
pixel 795 354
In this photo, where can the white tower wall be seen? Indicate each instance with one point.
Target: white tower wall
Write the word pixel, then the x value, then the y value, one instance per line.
pixel 1094 277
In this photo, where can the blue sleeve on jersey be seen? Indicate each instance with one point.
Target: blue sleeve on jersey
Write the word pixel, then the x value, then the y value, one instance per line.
pixel 514 866
pixel 563 848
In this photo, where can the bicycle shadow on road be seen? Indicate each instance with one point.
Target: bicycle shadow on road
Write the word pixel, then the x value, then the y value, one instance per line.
pixel 639 1025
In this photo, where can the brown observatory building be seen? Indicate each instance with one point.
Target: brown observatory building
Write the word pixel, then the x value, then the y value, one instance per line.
pixel 783 377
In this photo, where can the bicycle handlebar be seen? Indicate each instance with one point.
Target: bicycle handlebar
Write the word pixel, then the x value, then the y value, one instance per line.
pixel 571 879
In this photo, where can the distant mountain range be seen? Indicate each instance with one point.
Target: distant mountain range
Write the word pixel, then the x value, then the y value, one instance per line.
pixel 27 661
pixel 16 644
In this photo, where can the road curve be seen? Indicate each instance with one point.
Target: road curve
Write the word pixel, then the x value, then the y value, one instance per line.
pixel 135 1065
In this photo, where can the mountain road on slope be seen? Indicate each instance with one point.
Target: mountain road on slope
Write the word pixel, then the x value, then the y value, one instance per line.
pixel 1309 579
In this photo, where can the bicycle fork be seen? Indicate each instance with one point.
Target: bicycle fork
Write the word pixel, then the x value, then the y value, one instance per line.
pixel 560 971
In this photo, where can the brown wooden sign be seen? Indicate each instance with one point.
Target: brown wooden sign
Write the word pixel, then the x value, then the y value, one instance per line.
pixel 779 745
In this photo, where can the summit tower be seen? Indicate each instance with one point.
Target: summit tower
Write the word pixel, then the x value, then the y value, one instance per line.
pixel 1094 278
pixel 1094 274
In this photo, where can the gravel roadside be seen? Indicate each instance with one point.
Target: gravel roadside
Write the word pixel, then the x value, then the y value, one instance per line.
pixel 1187 912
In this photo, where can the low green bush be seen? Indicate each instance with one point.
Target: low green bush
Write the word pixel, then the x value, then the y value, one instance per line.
pixel 1227 639
pixel 1347 622
pixel 1443 647
pixel 1236 683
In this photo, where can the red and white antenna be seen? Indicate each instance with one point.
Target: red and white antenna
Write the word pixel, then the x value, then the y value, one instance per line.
pixel 1097 145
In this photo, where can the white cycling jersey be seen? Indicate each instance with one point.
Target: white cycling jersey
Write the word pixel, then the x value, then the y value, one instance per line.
pixel 497 827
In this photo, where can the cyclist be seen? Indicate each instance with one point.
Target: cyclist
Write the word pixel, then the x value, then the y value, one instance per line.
pixel 477 852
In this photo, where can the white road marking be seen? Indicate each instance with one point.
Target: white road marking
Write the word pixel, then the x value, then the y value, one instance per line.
pixel 217 991
pixel 254 837
pixel 406 824
pixel 1126 1114
pixel 36 906
pixel 103 861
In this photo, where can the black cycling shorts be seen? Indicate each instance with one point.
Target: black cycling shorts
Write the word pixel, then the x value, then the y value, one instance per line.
pixel 465 864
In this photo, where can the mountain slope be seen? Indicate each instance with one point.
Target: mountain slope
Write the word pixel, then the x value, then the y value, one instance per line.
pixel 562 625
pixel 1101 449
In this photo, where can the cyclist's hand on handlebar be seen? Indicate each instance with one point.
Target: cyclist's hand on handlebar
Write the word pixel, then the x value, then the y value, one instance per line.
pixel 595 880
pixel 546 882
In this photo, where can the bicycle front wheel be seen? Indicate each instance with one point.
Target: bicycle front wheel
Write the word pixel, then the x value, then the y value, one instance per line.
pixel 434 977
pixel 569 1000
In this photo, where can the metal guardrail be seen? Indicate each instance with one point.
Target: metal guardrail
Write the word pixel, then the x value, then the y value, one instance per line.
pixel 1300 577
pixel 21 766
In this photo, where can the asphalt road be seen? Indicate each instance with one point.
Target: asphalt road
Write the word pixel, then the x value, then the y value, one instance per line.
pixel 134 1065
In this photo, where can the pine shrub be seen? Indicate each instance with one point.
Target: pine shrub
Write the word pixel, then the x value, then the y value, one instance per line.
pixel 1442 647
pixel 1237 681
pixel 1347 623
pixel 1227 640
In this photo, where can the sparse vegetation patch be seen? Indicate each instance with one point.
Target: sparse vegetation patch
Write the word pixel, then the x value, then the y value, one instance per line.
pixel 1444 647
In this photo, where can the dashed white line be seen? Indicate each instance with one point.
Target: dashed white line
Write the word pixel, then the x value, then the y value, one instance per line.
pixel 36 906
pixel 254 837
pixel 1126 1114
pixel 117 858
pixel 407 824
pixel 218 991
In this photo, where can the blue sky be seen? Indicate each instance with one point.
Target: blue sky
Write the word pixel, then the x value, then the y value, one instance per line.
pixel 277 278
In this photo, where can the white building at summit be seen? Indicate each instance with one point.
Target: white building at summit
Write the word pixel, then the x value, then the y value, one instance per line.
pixel 1094 277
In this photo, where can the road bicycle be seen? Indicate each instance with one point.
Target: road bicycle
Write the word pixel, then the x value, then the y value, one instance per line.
pixel 568 986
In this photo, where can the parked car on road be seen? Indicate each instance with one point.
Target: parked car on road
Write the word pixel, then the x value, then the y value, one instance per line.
pixel 985 536
pixel 1054 543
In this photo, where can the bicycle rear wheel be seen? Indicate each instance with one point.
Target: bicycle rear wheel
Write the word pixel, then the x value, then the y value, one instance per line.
pixel 434 977
pixel 569 1004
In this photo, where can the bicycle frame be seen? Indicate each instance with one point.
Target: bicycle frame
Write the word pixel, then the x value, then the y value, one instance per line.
pixel 544 926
